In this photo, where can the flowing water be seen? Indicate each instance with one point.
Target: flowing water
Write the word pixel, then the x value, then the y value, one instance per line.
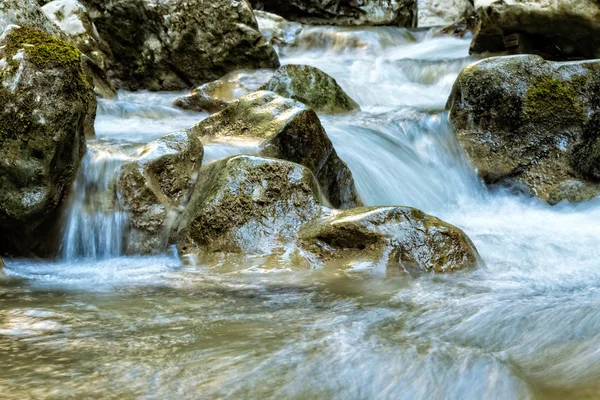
pixel 526 324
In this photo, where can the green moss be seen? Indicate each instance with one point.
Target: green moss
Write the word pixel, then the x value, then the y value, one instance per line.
pixel 552 101
pixel 41 49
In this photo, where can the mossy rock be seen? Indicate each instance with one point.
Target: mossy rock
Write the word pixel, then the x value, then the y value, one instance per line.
pixel 155 185
pixel 312 87
pixel 47 109
pixel 287 130
pixel 525 120
pixel 247 204
pixel 400 237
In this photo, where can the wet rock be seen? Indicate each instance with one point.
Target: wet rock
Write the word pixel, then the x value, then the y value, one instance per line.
pixel 556 30
pixel 2 266
pixel 393 236
pixel 73 20
pixel 179 44
pixel 346 12
pixel 443 12
pixel 155 185
pixel 460 27
pixel 287 130
pixel 47 108
pixel 216 95
pixel 311 86
pixel 247 204
pixel 531 122
pixel 277 30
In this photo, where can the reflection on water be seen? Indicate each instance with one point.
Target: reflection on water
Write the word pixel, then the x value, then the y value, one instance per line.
pixel 524 325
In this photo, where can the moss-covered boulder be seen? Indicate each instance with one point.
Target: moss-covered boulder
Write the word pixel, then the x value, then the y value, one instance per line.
pixel 155 185
pixel 311 86
pixel 393 236
pixel 247 204
pixel 73 20
pixel 46 108
pixel 287 130
pixel 528 121
pixel 216 95
pixel 554 29
pixel 346 12
pixel 178 44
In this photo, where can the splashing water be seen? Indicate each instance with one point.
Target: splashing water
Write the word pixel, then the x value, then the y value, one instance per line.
pixel 523 326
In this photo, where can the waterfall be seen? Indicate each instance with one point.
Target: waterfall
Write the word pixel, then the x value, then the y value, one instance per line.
pixel 95 222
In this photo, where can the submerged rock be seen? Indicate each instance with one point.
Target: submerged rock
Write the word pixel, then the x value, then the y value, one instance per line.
pixel 178 44
pixel 287 130
pixel 346 12
pixel 394 236
pixel 311 86
pixel 554 29
pixel 216 95
pixel 531 122
pixel 443 12
pixel 46 108
pixel 73 20
pixel 155 185
pixel 247 204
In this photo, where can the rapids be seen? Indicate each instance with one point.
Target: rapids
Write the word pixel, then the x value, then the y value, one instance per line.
pixel 96 324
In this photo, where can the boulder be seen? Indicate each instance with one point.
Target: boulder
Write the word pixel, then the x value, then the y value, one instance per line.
pixel 247 204
pixel 531 123
pixel 460 27
pixel 47 107
pixel 73 20
pixel 443 12
pixel 155 185
pixel 401 13
pixel 554 29
pixel 216 95
pixel 287 130
pixel 311 86
pixel 395 236
pixel 177 44
pixel 277 30
pixel 26 13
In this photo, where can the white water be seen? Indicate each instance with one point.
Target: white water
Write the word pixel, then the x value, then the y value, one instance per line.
pixel 524 325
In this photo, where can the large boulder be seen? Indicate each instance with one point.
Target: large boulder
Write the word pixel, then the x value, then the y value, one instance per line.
pixel 46 109
pixel 555 29
pixel 247 204
pixel 395 236
pixel 345 12
pixel 216 95
pixel 177 44
pixel 443 12
pixel 155 185
pixel 311 86
pixel 287 130
pixel 26 13
pixel 531 123
pixel 73 20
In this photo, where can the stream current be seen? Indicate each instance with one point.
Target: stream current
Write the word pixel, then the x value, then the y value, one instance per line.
pixel 96 324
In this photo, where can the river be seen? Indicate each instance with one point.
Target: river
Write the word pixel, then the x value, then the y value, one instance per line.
pixel 525 325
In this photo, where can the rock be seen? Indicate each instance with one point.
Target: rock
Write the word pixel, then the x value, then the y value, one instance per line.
pixel 531 122
pixel 555 29
pixel 460 27
pixel 395 236
pixel 345 12
pixel 2 266
pixel 287 130
pixel 26 13
pixel 247 204
pixel 216 95
pixel 443 12
pixel 154 186
pixel 311 86
pixel 177 44
pixel 73 20
pixel 47 108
